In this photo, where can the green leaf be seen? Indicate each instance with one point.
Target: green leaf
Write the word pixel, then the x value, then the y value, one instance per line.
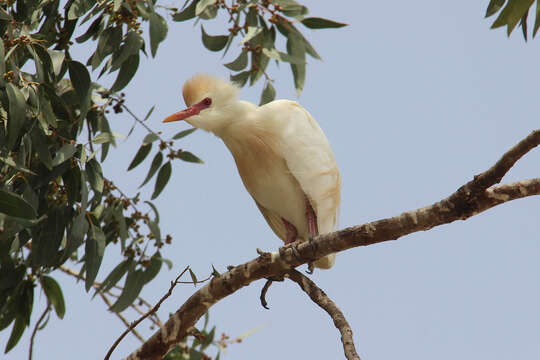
pixel 523 24
pixel 154 229
pixel 45 251
pixel 292 8
pixel 133 43
pixel 114 277
pixel 78 8
pixel 65 153
pixel 46 114
pixel 158 31
pixel 54 295
pixel 239 63
pixel 84 192
pixel 193 277
pixel 187 13
pixel 94 250
pixel 14 205
pixel 150 138
pixel 17 113
pixel 2 62
pixel 189 157
pixel 153 268
pixel 162 179
pixel 537 18
pixel 268 94
pixel 57 59
pixel 40 143
pixel 143 152
pixel 127 71
pixel 80 79
pixel 320 23
pixel 95 175
pixel 183 133
pixel 511 14
pixel 213 43
pixel 215 272
pixel 16 333
pixel 14 164
pixel 494 6
pixel 296 48
pixel 202 5
pixel 106 137
pixel 122 224
pixel 92 30
pixel 75 234
pixel 156 163
pixel 154 209
pixel 132 288
pixel 149 113
pixel 109 41
pixel 280 56
pixel 252 31
pixel 240 79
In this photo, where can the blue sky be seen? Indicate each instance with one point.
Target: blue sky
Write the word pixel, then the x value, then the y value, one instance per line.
pixel 415 99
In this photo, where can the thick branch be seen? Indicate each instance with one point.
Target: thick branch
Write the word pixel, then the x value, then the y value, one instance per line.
pixel 472 198
pixel 320 298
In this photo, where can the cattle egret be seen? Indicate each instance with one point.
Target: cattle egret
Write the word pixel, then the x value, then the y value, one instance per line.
pixel 281 153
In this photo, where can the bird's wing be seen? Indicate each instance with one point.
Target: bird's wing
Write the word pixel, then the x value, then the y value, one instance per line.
pixel 274 220
pixel 308 156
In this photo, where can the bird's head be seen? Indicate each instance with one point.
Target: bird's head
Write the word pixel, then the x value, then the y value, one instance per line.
pixel 209 103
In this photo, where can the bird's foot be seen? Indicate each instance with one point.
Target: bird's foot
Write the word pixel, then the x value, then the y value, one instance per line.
pixel 291 246
pixel 310 268
pixel 312 244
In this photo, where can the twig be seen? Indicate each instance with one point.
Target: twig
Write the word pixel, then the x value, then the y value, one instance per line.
pixel 121 317
pixel 152 311
pixel 136 118
pixel 472 198
pixel 263 293
pixel 320 298
pixel 36 327
pixel 154 317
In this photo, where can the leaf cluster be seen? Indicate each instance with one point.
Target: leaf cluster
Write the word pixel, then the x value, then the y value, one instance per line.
pixel 57 207
pixel 257 25
pixel 514 13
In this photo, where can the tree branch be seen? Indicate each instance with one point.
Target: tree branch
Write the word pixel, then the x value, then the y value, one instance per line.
pixel 36 328
pixel 472 198
pixel 320 298
pixel 150 312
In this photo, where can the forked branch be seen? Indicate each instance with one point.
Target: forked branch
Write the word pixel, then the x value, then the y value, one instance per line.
pixel 320 298
pixel 474 197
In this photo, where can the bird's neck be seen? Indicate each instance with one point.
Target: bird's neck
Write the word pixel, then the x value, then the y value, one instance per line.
pixel 235 118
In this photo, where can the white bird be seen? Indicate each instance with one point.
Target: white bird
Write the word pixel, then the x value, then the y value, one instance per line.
pixel 282 156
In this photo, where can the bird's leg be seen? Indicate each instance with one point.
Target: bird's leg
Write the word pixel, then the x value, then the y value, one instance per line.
pixel 292 233
pixel 312 228
pixel 312 220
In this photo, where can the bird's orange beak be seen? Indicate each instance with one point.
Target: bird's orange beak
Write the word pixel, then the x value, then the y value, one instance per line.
pixel 190 111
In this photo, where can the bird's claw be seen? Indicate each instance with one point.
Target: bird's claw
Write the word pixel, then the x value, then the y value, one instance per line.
pixel 313 244
pixel 310 268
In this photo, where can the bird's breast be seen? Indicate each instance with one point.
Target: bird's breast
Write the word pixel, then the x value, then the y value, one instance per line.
pixel 268 180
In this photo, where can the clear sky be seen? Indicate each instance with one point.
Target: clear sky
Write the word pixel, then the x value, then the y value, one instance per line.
pixel 415 99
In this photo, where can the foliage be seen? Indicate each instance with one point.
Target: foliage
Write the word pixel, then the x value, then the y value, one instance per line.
pixel 56 204
pixel 512 13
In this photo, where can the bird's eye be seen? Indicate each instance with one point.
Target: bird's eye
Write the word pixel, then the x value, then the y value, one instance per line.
pixel 207 101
